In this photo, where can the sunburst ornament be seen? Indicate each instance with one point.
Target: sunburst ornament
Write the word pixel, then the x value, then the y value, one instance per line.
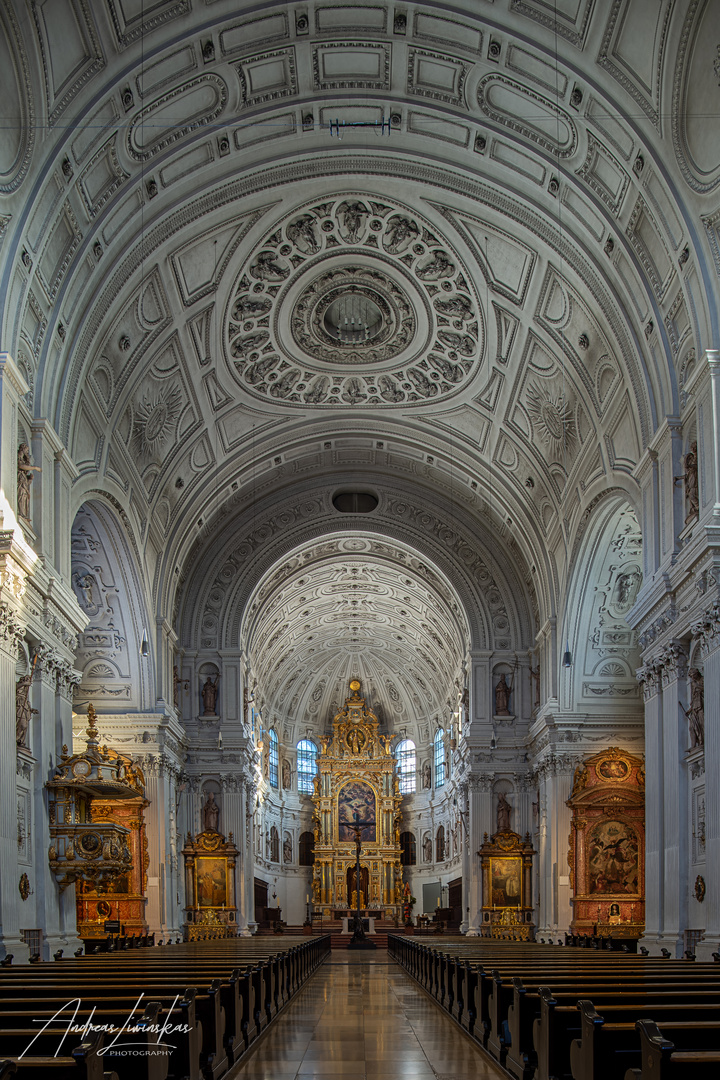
pixel 551 415
pixel 154 419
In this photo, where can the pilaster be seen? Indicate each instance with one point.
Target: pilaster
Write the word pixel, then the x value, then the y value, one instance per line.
pixel 674 793
pixel 11 633
pixel 651 677
pixel 12 388
pixel 707 630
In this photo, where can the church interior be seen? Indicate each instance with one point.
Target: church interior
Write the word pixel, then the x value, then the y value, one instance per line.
pixel 360 473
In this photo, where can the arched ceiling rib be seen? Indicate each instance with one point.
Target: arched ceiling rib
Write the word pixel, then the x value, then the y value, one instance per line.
pixel 549 274
pixel 485 565
pixel 327 614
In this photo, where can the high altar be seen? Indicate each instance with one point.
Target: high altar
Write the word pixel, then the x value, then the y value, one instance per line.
pixel 356 778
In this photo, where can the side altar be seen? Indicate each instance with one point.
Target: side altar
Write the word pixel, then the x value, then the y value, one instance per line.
pixel 356 781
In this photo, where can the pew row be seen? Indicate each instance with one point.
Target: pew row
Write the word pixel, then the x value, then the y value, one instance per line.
pixel 189 1015
pixel 567 1014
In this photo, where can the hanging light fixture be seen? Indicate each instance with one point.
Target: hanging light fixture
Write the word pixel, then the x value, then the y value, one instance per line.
pixel 567 658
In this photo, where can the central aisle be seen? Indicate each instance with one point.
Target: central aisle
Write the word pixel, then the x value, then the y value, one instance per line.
pixel 361 1017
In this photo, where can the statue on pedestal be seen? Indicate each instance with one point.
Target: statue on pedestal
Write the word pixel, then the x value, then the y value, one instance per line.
pixel 24 479
pixel 23 710
pixel 696 712
pixel 209 695
pixel 211 813
pixel 504 810
pixel 692 494
pixel 502 697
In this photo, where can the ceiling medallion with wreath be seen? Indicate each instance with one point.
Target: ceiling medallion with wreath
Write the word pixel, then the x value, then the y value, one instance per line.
pixel 353 302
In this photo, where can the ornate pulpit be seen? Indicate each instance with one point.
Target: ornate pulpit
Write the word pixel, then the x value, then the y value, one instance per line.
pixel 356 779
pixel 96 800
pixel 506 862
pixel 211 911
pixel 607 845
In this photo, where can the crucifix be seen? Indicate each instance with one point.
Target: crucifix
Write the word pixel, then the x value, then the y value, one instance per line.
pixel 358 933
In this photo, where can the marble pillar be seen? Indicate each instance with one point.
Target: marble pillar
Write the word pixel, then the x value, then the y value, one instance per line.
pixel 654 807
pixel 708 632
pixel 673 921
pixel 10 903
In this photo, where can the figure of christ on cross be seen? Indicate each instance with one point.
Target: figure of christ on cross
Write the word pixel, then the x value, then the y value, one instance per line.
pixel 359 941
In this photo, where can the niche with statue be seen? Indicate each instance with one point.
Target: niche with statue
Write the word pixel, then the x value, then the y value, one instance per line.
pixel 506 865
pixel 210 861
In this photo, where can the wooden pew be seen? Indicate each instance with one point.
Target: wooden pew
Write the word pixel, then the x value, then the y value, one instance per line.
pixel 83 1063
pixel 608 1045
pixel 226 1013
pixel 528 1028
pixel 675 1051
pixel 521 1059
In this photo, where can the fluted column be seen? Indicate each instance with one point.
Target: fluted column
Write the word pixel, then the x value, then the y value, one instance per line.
pixel 479 799
pixel 55 911
pixel 650 676
pixel 10 635
pixel 708 632
pixel 232 820
pixel 555 911
pixel 675 794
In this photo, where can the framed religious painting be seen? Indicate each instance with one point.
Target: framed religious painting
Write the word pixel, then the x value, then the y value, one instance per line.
pixel 211 881
pixel 356 798
pixel 506 867
pixel 607 844
pixel 210 862
pixel 506 881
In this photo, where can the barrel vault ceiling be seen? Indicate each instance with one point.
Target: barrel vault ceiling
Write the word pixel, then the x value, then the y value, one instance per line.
pixel 521 196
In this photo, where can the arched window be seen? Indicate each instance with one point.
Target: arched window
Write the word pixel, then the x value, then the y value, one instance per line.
pixel 307 753
pixel 440 845
pixel 307 849
pixel 405 757
pixel 274 845
pixel 439 754
pixel 273 761
pixel 408 849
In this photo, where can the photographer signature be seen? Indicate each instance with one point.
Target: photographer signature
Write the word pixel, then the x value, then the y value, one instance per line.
pixel 88 1028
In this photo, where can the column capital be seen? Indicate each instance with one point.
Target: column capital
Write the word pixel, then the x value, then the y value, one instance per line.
pixel 12 630
pixel 650 675
pixel 673 660
pixel 707 630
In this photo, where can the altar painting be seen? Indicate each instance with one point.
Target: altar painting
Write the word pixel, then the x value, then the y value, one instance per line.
pixel 211 888
pixel 356 798
pixel 613 858
pixel 506 879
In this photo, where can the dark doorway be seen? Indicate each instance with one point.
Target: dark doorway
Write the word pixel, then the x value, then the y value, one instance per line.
pixel 455 901
pixel 261 899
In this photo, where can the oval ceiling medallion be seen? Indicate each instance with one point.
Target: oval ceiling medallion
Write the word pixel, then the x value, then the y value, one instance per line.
pixel 352 302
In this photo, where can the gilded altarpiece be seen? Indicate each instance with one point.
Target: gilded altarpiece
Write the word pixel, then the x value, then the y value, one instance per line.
pixel 506 866
pixel 607 845
pixel 122 898
pixel 210 861
pixel 356 781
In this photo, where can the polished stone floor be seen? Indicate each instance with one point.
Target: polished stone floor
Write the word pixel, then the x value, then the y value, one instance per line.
pixel 362 1018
